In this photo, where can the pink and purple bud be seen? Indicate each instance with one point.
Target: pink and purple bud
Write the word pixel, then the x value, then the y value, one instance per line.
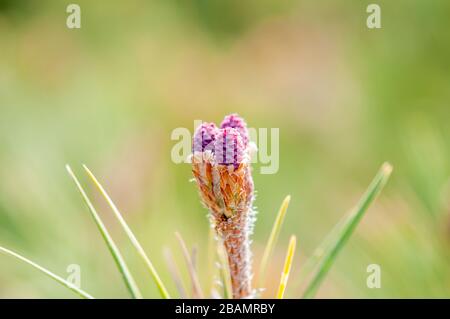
pixel 204 137
pixel 229 147
pixel 228 144
pixel 236 122
pixel 221 166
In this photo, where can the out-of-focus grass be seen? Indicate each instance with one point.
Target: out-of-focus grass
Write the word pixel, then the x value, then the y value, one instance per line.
pixel 344 97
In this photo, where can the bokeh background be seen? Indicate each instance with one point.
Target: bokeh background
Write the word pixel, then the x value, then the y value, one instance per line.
pixel 344 97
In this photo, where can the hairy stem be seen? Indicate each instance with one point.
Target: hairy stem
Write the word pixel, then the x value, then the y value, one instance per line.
pixel 234 232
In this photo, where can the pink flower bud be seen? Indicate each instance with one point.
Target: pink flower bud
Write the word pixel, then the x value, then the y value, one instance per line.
pixel 229 147
pixel 204 137
pixel 236 122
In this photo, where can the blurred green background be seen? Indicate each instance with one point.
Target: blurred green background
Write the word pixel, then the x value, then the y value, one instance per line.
pixel 345 98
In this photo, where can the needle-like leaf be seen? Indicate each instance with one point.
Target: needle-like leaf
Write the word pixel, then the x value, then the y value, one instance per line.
pixel 58 279
pixel 224 271
pixel 212 248
pixel 343 234
pixel 174 272
pixel 117 256
pixel 273 239
pixel 197 290
pixel 287 267
pixel 161 287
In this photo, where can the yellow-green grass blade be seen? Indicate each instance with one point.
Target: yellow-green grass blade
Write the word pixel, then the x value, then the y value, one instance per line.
pixel 197 290
pixel 342 236
pixel 287 267
pixel 124 271
pixel 273 239
pixel 58 279
pixel 161 287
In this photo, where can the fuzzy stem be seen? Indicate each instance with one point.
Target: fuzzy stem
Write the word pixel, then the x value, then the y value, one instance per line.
pixel 235 232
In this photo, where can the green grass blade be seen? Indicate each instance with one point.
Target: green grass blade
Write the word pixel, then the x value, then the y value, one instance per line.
pixel 329 256
pixel 312 262
pixel 287 267
pixel 161 287
pixel 126 275
pixel 273 239
pixel 58 279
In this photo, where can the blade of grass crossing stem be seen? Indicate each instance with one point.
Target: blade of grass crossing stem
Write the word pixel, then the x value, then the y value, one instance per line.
pixel 287 267
pixel 273 239
pixel 117 256
pixel 224 271
pixel 347 229
pixel 196 288
pixel 161 287
pixel 58 279
pixel 211 256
